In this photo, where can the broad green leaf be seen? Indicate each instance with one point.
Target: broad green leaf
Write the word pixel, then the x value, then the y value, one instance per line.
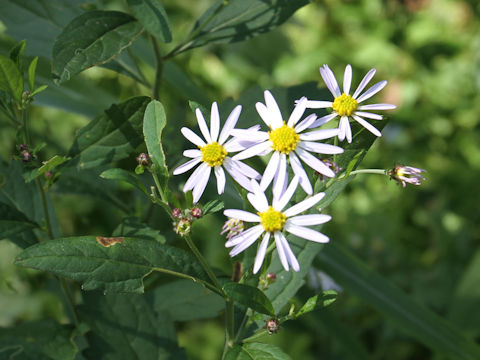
pixel 256 351
pixel 111 264
pixel 111 136
pixel 32 68
pixel 17 54
pixel 152 15
pixel 48 165
pixel 124 175
pixel 154 122
pixel 318 301
pixel 238 20
pixel 38 340
pixel 125 327
pixel 186 300
pixel 12 221
pixel 212 207
pixel 412 318
pixel 132 227
pixel 90 39
pixel 249 296
pixel 11 80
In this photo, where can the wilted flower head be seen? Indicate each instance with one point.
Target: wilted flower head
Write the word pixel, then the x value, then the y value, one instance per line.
pixel 406 174
pixel 232 227
pixel 183 226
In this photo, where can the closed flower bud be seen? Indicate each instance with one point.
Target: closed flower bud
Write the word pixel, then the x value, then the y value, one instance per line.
pixel 177 213
pixel 26 156
pixel 143 159
pixel 272 326
pixel 197 212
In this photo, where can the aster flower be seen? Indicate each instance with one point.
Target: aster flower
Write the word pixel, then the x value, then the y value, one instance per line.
pixel 273 221
pixel 287 140
pixel 406 174
pixel 348 106
pixel 213 154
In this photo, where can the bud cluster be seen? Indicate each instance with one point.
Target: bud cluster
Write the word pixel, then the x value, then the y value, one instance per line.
pixel 182 224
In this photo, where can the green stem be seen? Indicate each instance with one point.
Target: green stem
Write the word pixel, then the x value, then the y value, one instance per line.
pixel 45 209
pixel 368 171
pixel 28 138
pixel 159 187
pixel 229 326
pixel 158 71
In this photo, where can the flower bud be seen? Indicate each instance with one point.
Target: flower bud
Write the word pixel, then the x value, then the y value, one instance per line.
pixel 177 213
pixel 26 156
pixel 272 326
pixel 48 174
pixel 271 278
pixel 232 227
pixel 197 212
pixel 23 147
pixel 143 159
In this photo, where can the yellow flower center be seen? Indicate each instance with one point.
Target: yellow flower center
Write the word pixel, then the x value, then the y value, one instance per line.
pixel 272 220
pixel 344 105
pixel 284 139
pixel 213 154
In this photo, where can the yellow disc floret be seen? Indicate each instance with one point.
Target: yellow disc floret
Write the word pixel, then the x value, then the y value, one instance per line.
pixel 272 220
pixel 344 105
pixel 284 139
pixel 213 154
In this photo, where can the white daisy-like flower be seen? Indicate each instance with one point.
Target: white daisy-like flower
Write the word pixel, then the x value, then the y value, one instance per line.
pixel 287 139
pixel 273 221
pixel 213 154
pixel 348 106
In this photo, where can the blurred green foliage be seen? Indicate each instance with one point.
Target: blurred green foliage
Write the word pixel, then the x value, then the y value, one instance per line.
pixel 425 239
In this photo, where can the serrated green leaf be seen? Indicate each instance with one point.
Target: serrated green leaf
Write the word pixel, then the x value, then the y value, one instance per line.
pixel 317 302
pixel 11 79
pixel 238 20
pixel 38 340
pixel 132 227
pixel 256 351
pixel 249 296
pixel 48 165
pixel 124 327
pixel 412 318
pixel 90 39
pixel 119 265
pixel 186 300
pixel 32 68
pixel 12 221
pixel 213 206
pixel 111 136
pixel 124 175
pixel 154 122
pixel 17 54
pixel 152 15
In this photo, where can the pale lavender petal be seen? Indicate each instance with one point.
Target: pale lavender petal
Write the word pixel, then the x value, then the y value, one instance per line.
pixel 289 253
pixel 242 180
pixel 192 180
pixel 201 185
pixel 261 253
pixel 300 172
pixel 377 107
pixel 245 134
pixel 281 176
pixel 187 166
pixel 368 115
pixel 243 215
pixel 247 242
pixel 220 175
pixel 203 125
pixel 192 153
pixel 329 78
pixel 348 131
pixel 272 106
pixel 281 252
pixel 342 127
pixel 244 169
pixel 229 124
pixel 266 115
pixel 366 79
pixel 367 126
pixel 304 205
pixel 214 122
pixel 306 220
pixel 287 195
pixel 192 137
pixel 297 112
pixel 347 79
pixel 253 151
pixel 316 104
pixel 245 235
pixel 270 170
pixel 314 163
pixel 319 134
pixel 306 233
pixel 305 123
pixel 320 148
pixel 323 120
pixel 372 91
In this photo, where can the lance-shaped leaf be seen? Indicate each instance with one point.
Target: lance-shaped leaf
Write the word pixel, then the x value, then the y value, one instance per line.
pixel 238 20
pixel 111 136
pixel 412 318
pixel 153 123
pixel 90 39
pixel 38 340
pixel 249 296
pixel 318 301
pixel 114 264
pixel 124 175
pixel 11 80
pixel 12 221
pixel 152 15
pixel 125 327
pixel 48 165
pixel 256 351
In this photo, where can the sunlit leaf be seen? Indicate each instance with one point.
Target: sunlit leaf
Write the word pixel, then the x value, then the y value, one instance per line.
pixel 11 80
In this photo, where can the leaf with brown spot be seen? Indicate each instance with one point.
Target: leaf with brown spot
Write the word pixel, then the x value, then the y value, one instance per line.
pixel 109 241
